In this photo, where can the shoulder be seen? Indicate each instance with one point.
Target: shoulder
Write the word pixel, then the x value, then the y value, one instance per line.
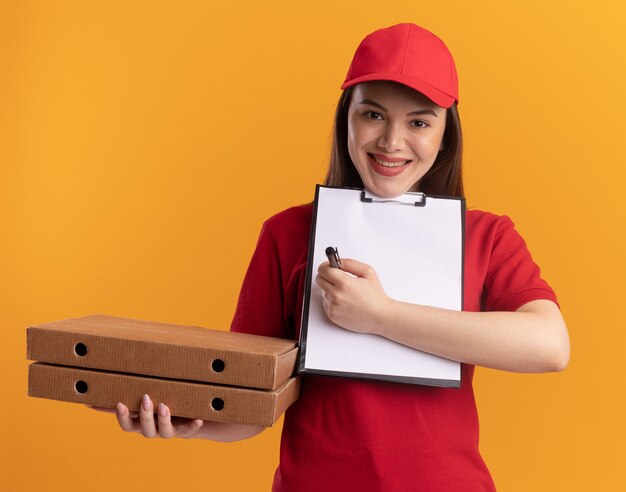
pixel 290 223
pixel 479 219
pixel 487 226
pixel 491 237
pixel 501 264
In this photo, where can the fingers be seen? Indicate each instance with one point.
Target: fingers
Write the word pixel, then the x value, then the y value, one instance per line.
pixel 146 418
pixel 189 428
pixel 166 429
pixel 332 280
pixel 323 283
pixel 357 268
pixel 180 428
pixel 165 426
pixel 333 276
pixel 134 422
pixel 327 272
pixel 125 420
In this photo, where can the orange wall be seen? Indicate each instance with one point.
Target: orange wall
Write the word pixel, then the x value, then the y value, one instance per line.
pixel 143 143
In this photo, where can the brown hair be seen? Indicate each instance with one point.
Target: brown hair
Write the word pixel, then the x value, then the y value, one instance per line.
pixel 443 178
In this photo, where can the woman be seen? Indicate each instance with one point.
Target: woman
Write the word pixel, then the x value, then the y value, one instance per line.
pixel 396 130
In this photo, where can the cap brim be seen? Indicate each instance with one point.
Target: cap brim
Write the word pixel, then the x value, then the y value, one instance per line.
pixel 435 95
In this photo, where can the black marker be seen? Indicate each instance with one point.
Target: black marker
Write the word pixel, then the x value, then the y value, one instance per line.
pixel 333 257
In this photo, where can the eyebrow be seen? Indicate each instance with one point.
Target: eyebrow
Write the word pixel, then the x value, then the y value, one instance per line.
pixel 420 112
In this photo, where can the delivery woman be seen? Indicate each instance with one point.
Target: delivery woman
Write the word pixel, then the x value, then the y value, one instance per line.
pixel 397 129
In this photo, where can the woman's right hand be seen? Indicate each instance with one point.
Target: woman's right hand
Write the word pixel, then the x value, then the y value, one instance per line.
pixel 144 423
pixel 167 426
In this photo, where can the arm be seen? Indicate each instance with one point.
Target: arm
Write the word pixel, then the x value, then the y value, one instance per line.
pixel 532 339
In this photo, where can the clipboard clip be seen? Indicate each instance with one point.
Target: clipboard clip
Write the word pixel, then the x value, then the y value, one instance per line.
pixel 406 199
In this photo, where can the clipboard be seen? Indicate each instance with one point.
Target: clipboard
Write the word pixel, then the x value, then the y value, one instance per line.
pixel 415 242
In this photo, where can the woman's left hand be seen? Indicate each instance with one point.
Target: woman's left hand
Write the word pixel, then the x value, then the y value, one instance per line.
pixel 356 302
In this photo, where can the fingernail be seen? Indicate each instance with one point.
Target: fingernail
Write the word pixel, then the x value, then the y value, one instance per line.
pixel 146 402
pixel 120 408
pixel 162 410
pixel 199 423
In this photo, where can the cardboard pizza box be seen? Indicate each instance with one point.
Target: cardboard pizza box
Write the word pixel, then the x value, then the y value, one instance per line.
pixel 184 398
pixel 164 350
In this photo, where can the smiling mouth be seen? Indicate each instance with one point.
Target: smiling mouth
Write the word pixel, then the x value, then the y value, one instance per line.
pixel 394 163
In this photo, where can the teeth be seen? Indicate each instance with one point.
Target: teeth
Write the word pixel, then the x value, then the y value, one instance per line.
pixel 390 164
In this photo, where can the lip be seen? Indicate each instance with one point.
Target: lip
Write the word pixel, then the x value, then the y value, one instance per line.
pixel 386 158
pixel 387 171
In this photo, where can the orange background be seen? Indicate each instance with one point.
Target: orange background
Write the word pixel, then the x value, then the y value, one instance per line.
pixel 143 143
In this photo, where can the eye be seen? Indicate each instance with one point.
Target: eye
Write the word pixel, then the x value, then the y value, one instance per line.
pixel 419 124
pixel 373 115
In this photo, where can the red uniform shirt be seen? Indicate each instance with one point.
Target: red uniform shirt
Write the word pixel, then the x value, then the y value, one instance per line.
pixel 359 435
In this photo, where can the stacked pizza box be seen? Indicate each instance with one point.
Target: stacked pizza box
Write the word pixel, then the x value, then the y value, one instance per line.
pixel 198 373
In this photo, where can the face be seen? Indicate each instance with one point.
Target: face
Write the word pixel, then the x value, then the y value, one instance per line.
pixel 394 136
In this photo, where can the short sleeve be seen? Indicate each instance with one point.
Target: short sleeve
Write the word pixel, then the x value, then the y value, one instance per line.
pixel 513 278
pixel 260 305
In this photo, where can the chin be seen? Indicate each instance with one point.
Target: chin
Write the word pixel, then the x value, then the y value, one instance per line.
pixel 389 191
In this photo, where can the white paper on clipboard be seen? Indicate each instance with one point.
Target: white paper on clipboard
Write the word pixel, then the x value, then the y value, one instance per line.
pixel 417 252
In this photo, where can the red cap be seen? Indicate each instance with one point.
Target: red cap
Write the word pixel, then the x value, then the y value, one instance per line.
pixel 410 55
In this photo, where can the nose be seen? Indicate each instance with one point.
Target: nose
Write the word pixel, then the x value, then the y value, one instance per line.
pixel 391 138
